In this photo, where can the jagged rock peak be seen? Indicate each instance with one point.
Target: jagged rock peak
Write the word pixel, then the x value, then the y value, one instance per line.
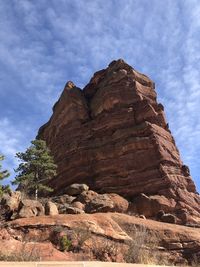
pixel 69 85
pixel 116 71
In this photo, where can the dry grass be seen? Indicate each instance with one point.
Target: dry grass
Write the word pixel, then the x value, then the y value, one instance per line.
pixel 81 235
pixel 105 250
pixel 25 254
pixel 143 248
pixel 195 260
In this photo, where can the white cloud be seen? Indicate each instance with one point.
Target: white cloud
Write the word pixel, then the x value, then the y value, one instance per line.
pixel 13 139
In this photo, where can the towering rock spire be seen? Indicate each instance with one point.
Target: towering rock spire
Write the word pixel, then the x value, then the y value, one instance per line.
pixel 113 135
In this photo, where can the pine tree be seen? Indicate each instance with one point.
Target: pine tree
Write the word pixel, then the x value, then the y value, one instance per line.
pixel 36 168
pixel 3 174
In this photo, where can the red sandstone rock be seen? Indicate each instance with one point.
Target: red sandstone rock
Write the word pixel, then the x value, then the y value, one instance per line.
pixel 63 199
pixel 75 189
pixel 51 208
pixel 149 206
pixel 73 210
pixel 178 243
pixel 78 205
pixel 30 208
pixel 11 200
pixel 86 196
pixel 106 203
pixel 113 136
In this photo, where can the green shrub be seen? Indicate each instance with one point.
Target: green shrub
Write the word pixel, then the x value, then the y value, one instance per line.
pixel 65 243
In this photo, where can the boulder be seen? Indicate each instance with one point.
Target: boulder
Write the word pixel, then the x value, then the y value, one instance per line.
pixel 62 208
pixel 120 203
pixel 86 196
pixel 150 205
pixel 73 210
pixel 70 209
pixel 51 208
pixel 11 200
pixel 106 203
pixel 76 189
pixel 9 205
pixel 78 205
pixel 168 218
pixel 102 203
pixel 30 208
pixel 63 199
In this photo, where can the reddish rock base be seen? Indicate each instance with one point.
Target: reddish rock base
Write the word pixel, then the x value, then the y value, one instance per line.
pixel 107 238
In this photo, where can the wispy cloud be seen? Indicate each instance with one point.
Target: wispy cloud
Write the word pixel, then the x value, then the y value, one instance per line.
pixel 45 43
pixel 13 138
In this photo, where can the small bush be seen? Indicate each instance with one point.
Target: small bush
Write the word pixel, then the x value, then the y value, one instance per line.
pixel 65 243
pixel 81 236
pixel 105 250
pixel 143 246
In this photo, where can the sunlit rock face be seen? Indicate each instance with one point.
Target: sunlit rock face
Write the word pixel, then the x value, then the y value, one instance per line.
pixel 113 136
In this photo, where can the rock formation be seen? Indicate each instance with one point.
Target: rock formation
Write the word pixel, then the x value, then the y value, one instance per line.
pixel 109 236
pixel 113 136
pixel 85 225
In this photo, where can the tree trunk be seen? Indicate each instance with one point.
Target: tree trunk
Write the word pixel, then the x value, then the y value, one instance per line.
pixel 36 194
pixel 36 187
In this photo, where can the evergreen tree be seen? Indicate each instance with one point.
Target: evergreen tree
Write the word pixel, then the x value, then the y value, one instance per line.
pixel 3 174
pixel 36 168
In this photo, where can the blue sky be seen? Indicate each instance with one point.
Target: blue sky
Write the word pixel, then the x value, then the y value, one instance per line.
pixel 44 43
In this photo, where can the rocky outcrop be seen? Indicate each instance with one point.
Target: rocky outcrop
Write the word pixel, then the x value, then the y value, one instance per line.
pixel 113 136
pixel 83 200
pixel 100 236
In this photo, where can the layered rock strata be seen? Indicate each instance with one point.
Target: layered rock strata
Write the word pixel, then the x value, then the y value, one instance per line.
pixel 38 237
pixel 113 136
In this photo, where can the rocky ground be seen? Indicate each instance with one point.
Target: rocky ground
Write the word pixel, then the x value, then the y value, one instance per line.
pixel 85 225
pixel 99 236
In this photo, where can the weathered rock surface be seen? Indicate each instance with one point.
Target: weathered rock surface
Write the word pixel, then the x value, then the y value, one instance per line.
pixel 79 205
pixel 73 210
pixel 30 208
pixel 86 197
pixel 150 205
pixel 176 243
pixel 11 200
pixel 106 203
pixel 63 199
pixel 113 136
pixel 9 204
pixel 51 208
pixel 76 189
